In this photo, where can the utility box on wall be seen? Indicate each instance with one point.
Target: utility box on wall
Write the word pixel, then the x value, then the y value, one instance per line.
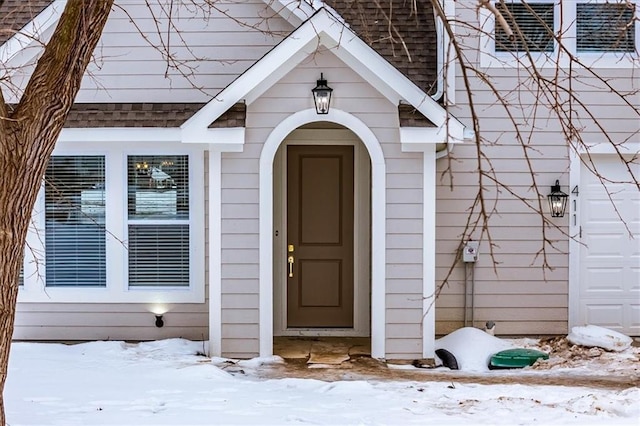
pixel 470 251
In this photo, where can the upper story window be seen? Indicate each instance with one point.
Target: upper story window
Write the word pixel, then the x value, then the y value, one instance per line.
pixel 532 25
pixel 605 27
pixel 599 33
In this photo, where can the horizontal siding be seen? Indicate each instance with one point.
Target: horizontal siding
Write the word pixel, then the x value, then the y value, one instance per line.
pixel 108 322
pixel 211 47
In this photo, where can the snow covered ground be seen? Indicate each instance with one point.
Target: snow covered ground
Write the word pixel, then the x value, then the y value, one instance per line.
pixel 168 383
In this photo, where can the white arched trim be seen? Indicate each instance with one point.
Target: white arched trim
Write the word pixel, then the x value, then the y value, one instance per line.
pixel 378 220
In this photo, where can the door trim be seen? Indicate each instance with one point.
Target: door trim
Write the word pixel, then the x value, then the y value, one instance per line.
pixel 361 238
pixel 378 223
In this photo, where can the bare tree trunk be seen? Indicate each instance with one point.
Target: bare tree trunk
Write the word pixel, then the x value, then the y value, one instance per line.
pixel 27 137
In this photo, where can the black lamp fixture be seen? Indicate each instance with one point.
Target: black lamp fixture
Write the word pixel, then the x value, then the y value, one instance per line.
pixel 322 95
pixel 557 201
pixel 159 321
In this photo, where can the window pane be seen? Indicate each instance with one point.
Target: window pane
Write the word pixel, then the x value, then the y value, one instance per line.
pixel 75 219
pixel 159 255
pixel 532 25
pixel 605 27
pixel 158 186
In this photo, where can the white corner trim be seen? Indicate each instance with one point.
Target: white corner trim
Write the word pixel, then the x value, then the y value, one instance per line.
pixel 429 252
pixel 575 168
pixel 378 223
pixel 32 31
pixel 215 254
pixel 322 29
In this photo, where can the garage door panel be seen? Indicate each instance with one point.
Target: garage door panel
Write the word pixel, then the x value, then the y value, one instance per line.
pixel 603 211
pixel 634 319
pixel 602 282
pixel 606 244
pixel 635 211
pixel 634 281
pixel 606 315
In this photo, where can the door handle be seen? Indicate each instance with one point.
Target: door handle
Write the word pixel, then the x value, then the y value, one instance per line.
pixel 290 261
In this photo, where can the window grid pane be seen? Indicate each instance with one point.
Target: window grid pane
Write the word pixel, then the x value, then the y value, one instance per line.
pixel 605 27
pixel 532 25
pixel 75 221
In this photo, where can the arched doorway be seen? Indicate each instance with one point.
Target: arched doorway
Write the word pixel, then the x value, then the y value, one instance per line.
pixel 270 244
pixel 322 233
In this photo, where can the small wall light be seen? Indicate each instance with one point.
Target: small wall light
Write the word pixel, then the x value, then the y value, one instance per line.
pixel 322 96
pixel 557 201
pixel 159 321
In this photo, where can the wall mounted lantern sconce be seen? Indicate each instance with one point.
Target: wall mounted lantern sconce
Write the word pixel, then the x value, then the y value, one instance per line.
pixel 159 321
pixel 322 96
pixel 557 201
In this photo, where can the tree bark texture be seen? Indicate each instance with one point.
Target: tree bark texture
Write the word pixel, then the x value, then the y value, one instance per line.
pixel 28 134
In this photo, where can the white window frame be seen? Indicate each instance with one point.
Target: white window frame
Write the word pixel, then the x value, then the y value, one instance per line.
pixel 564 21
pixel 117 289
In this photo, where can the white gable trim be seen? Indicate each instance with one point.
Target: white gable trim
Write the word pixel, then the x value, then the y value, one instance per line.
pixel 323 29
pixel 32 31
pixel 378 223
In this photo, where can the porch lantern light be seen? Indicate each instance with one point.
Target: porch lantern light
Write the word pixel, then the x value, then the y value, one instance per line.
pixel 557 201
pixel 322 95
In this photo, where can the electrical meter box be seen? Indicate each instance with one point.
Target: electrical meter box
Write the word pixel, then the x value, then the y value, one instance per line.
pixel 470 251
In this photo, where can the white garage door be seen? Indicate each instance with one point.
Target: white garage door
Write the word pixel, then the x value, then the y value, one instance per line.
pixel 610 256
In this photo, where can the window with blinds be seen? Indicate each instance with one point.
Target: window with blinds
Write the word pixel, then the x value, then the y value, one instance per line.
pixel 75 221
pixel 605 27
pixel 158 214
pixel 532 25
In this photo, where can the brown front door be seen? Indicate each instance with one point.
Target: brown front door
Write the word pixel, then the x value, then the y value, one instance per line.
pixel 320 236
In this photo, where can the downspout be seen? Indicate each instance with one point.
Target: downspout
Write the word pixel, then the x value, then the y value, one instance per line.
pixel 442 38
